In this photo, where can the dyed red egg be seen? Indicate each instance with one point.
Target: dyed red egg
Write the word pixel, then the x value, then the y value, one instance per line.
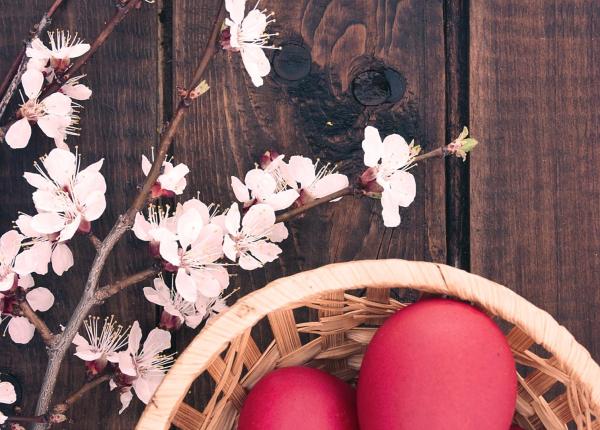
pixel 437 364
pixel 294 398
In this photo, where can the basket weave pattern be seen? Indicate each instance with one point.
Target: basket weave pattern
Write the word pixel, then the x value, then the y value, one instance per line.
pixel 559 388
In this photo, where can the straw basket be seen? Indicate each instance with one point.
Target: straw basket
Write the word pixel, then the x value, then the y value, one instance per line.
pixel 559 383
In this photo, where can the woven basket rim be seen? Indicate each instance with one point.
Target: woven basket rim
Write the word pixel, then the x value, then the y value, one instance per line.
pixel 423 276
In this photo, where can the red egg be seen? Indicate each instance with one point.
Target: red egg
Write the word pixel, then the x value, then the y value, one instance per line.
pixel 438 364
pixel 295 398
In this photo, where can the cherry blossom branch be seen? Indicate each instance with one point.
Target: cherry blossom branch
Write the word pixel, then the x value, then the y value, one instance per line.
pixel 63 407
pixel 440 152
pixel 58 410
pixel 123 8
pixel 286 216
pixel 124 223
pixel 13 77
pixel 94 240
pixel 39 324
pixel 110 290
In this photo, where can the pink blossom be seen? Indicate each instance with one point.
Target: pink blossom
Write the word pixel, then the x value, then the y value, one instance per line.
pixel 172 180
pixel 194 253
pixel 102 344
pixel 63 48
pixel 41 249
pixel 271 186
pixel 157 227
pixel 76 90
pixel 314 181
pixel 8 396
pixel 388 162
pixel 142 370
pixel 54 115
pixel 250 242
pixel 67 199
pixel 40 299
pixel 248 36
pixel 176 310
pixel 10 245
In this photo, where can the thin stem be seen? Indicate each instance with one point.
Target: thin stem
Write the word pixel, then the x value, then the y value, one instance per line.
pixel 63 407
pixel 77 395
pixel 293 213
pixel 13 77
pixel 110 290
pixel 286 216
pixel 94 240
pixel 39 324
pixel 124 223
pixel 123 8
pixel 440 152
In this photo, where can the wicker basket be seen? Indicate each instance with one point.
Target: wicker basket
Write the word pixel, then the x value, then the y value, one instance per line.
pixel 559 383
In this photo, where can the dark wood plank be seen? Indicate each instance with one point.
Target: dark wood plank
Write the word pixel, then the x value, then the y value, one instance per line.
pixel 118 123
pixel 317 116
pixel 534 104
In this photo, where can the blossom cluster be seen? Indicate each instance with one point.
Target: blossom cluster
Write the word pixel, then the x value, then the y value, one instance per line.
pixel 67 199
pixel 56 113
pixel 134 369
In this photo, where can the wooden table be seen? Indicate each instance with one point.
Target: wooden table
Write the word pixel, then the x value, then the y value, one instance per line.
pixel 523 211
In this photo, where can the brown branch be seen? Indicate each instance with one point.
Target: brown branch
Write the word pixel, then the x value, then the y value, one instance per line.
pixel 63 407
pixel 88 299
pixel 13 77
pixel 123 8
pixel 110 290
pixel 28 312
pixel 440 152
pixel 286 216
pixel 94 240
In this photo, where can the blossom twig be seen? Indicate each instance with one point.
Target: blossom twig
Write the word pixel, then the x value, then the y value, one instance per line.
pixel 109 290
pixel 440 152
pixel 38 323
pixel 124 223
pixel 13 77
pixel 94 240
pixel 123 8
pixel 286 216
pixel 57 411
pixel 63 407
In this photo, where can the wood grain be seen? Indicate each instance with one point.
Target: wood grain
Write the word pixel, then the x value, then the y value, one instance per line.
pixel 118 123
pixel 317 116
pixel 534 100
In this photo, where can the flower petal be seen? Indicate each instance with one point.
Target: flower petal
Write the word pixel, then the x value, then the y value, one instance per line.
pixel 258 220
pixel 302 169
pixel 77 91
pixel 135 337
pixel 372 146
pixel 256 63
pixel 48 222
pixel 40 299
pixel 62 259
pixel 20 330
pixel 240 190
pixel 329 184
pixel 261 183
pixel 236 10
pixel 157 341
pixel 232 219
pixel 32 81
pixel 141 227
pixel 278 233
pixel 61 165
pixel 188 227
pixel 281 200
pixel 8 394
pixel 186 286
pixel 125 397
pixel 403 188
pixel 18 134
pixel 169 250
pixel 10 244
pixel 390 210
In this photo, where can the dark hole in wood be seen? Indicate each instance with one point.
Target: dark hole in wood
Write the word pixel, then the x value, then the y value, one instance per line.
pixel 292 62
pixel 397 84
pixel 371 88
